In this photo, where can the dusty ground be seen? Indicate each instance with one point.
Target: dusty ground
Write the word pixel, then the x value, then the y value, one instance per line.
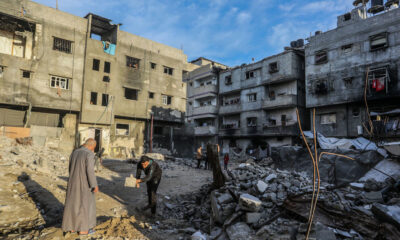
pixel 37 198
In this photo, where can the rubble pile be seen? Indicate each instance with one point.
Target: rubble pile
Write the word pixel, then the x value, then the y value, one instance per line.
pixel 264 203
pixel 21 154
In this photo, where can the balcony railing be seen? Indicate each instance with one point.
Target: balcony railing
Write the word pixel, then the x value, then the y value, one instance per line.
pixel 205 110
pixel 280 101
pixel 205 130
pixel 204 89
pixel 229 131
pixel 288 130
pixel 234 108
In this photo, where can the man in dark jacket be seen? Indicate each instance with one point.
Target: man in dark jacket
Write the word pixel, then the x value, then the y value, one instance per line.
pixel 152 179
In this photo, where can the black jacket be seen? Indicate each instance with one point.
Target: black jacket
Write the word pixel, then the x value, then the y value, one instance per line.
pixel 153 172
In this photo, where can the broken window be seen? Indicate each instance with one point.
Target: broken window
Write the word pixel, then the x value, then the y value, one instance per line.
pixel 104 100
pixel 329 118
pixel 356 112
pixel 250 74
pixel 166 100
pixel 59 82
pixel 321 87
pixel 153 65
pixel 190 103
pixel 283 120
pixel 106 79
pixel 228 80
pixel 158 130
pixel 252 97
pixel 252 122
pixel 321 57
pixel 1 71
pixel 378 80
pixel 132 62
pixel 201 84
pixel 191 84
pixel 209 83
pixel 62 45
pixel 271 95
pixel 93 98
pixel 168 70
pixel 107 67
pixel 26 74
pixel 151 95
pixel 271 122
pixel 379 41
pixel 273 67
pixel 96 64
pixel 347 48
pixel 131 94
pixel 347 16
pixel 122 129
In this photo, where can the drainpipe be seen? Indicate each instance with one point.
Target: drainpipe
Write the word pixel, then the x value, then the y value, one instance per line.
pixel 151 134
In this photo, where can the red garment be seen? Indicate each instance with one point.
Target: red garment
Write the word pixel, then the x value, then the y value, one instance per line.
pixel 380 84
pixel 226 159
pixel 374 83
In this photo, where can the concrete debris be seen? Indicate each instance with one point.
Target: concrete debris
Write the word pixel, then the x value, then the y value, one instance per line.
pixel 239 231
pixel 249 203
pixel 261 186
pixel 390 214
pixel 198 236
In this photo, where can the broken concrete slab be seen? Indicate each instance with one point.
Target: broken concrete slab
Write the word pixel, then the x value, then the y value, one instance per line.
pixel 249 203
pixel 225 198
pixel 252 217
pixel 390 214
pixel 261 186
pixel 270 177
pixel 357 186
pixel 239 231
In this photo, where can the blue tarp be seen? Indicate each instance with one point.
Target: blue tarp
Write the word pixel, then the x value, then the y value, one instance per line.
pixel 109 48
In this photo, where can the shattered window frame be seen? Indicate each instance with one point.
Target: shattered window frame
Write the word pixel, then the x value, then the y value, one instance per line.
pixel 347 48
pixel 26 74
pixel 151 95
pixel 107 67
pixel 321 57
pixel 252 97
pixel 105 99
pixel 250 74
pixel 228 80
pixel 378 45
pixel 328 118
pixel 153 65
pixel 59 82
pixel 131 94
pixel 2 70
pixel 168 70
pixel 96 64
pixel 122 129
pixel 62 45
pixel 251 121
pixel 93 98
pixel 166 100
pixel 132 62
pixel 273 67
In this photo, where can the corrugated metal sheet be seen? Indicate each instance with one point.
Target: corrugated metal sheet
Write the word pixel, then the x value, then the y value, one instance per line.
pixel 9 117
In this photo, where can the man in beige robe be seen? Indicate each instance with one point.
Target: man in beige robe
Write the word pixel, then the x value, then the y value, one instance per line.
pixel 80 205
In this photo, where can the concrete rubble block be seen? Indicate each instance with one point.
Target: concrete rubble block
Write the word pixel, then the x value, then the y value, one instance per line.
pixel 261 186
pixel 357 186
pixel 390 214
pixel 323 232
pixel 373 197
pixel 225 198
pixel 252 217
pixel 155 156
pixel 249 203
pixel 239 231
pixel 198 236
pixel 215 233
pixel 270 177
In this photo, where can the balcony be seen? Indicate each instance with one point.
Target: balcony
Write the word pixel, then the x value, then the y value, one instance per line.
pixel 280 102
pixel 205 110
pixel 227 109
pixel 204 90
pixel 205 130
pixel 288 130
pixel 229 132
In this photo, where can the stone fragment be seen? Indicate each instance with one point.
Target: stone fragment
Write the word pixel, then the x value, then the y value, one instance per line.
pixel 198 236
pixel 215 232
pixel 270 177
pixel 252 217
pixel 249 203
pixel 357 186
pixel 225 198
pixel 323 232
pixel 239 231
pixel 390 214
pixel 373 197
pixel 261 186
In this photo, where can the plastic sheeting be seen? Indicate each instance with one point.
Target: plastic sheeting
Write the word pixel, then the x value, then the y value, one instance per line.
pixel 359 143
pixel 109 48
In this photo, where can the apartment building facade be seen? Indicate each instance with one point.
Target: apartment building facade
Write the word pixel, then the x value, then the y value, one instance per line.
pixel 354 67
pixel 258 102
pixel 203 103
pixel 68 78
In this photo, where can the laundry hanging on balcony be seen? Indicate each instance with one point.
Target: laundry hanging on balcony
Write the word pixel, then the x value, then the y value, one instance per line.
pixel 109 47
pixel 378 84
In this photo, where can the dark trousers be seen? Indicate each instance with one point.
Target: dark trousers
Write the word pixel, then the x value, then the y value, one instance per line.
pixel 226 166
pixel 198 162
pixel 152 194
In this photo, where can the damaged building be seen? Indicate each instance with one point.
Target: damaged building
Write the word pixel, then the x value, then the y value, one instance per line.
pixel 352 73
pixel 202 93
pixel 65 78
pixel 258 101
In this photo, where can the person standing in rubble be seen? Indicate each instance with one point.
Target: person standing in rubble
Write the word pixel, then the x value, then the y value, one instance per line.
pixel 226 161
pixel 152 179
pixel 80 204
pixel 199 156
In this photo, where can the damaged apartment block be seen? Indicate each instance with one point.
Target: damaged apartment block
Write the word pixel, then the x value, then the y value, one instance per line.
pixel 353 67
pixel 65 78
